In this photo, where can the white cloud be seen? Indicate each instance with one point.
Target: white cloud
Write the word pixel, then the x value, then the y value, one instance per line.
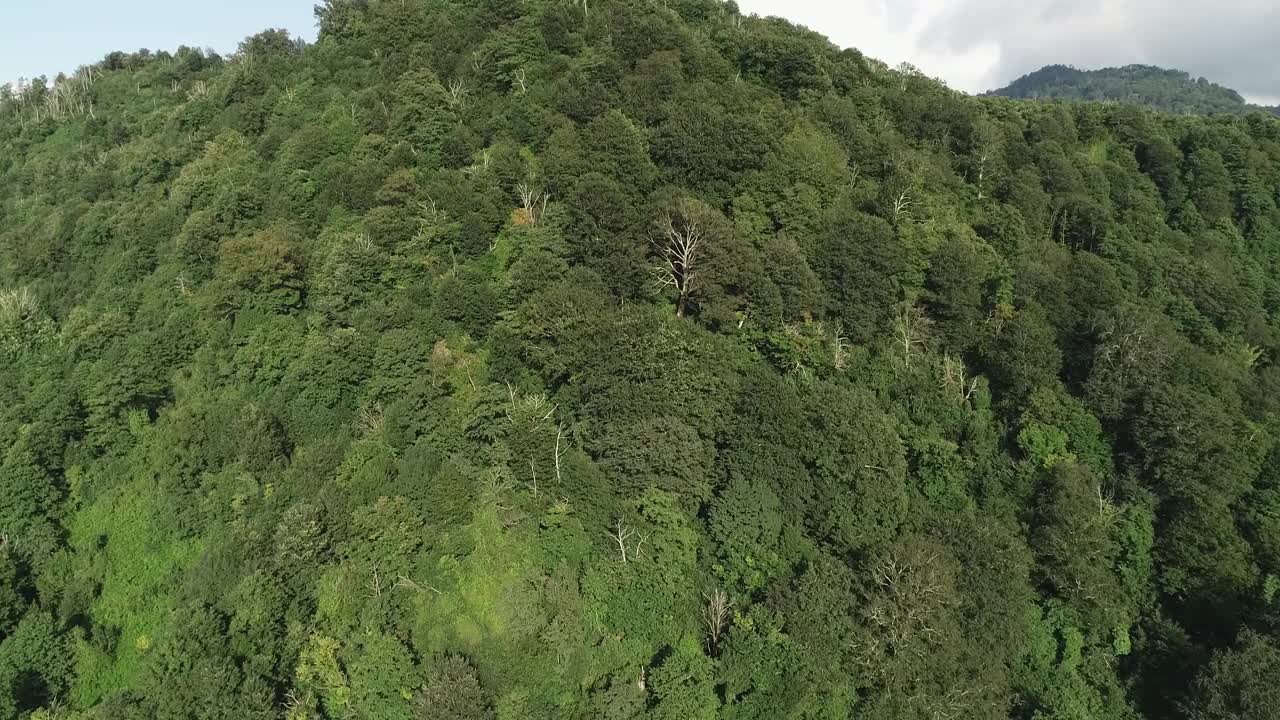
pixel 976 45
pixel 889 31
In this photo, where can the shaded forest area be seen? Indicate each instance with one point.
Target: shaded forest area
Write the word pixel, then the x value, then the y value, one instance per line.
pixel 505 359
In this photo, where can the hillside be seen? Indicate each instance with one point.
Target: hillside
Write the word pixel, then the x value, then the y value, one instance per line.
pixel 494 359
pixel 1168 90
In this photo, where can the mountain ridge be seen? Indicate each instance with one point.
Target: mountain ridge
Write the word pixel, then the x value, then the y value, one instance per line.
pixel 1170 90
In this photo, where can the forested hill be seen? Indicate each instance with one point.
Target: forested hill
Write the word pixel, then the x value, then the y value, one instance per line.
pixel 625 359
pixel 1168 90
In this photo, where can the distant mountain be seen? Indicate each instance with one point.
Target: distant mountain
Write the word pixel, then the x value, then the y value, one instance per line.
pixel 1164 89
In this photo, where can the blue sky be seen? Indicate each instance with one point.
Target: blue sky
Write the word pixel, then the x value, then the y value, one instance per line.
pixel 45 37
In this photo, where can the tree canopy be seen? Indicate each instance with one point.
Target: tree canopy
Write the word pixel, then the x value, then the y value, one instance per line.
pixel 1174 91
pixel 505 359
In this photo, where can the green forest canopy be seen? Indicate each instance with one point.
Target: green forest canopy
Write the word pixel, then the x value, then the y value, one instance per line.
pixel 609 359
pixel 1168 90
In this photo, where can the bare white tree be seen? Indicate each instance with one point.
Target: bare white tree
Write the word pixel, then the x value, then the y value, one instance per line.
pixel 533 202
pixel 530 410
pixel 457 92
pixel 680 241
pixel 404 583
pixel 984 157
pixel 521 78
pixel 297 705
pixel 18 304
pixel 481 166
pixel 374 586
pixel 370 419
pixel 621 534
pixel 639 550
pixel 840 348
pixel 911 330
pixel 498 482
pixel 716 616
pixel 559 453
pixel 902 207
pixel 956 379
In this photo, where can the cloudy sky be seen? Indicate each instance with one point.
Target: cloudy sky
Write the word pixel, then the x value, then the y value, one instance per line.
pixel 977 45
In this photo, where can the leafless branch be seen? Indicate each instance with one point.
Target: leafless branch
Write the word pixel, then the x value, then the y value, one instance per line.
pixel 374 585
pixel 403 582
pixel 911 331
pixel 716 617
pixel 621 534
pixel 559 454
pixel 370 419
pixel 533 203
pixel 679 243
pixel 902 207
pixel 457 92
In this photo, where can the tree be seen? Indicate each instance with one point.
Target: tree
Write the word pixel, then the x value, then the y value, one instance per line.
pixel 194 674
pixel 862 265
pixel 746 524
pixel 858 468
pixel 262 272
pixel 421 113
pixel 382 675
pixel 1130 356
pixel 1236 682
pixel 1024 355
pixel 662 453
pixel 957 287
pixel 341 19
pixel 1073 537
pixel 680 241
pixel 911 652
pixel 682 685
pixel 36 664
pixel 29 505
pixel 452 692
pixel 16 592
pixel 1210 184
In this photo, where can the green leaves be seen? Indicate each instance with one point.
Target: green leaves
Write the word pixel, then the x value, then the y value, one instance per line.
pixel 858 470
pixel 452 692
pixel 336 381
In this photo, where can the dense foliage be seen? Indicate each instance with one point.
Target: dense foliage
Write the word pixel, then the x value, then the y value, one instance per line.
pixel 614 359
pixel 1169 90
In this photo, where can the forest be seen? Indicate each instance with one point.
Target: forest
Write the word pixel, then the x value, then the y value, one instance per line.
pixel 1172 91
pixel 628 360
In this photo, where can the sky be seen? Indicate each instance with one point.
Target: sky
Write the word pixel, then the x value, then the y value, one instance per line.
pixel 979 45
pixel 974 45
pixel 45 37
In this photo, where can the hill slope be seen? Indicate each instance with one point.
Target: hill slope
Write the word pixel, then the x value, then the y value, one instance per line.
pixel 1168 90
pixel 620 359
